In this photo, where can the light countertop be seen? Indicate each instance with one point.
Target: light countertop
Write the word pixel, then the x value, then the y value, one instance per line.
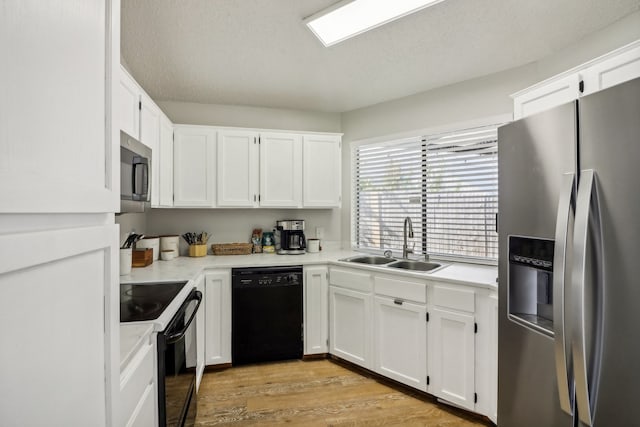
pixel 188 268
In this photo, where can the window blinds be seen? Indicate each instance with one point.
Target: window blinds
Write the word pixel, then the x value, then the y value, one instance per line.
pixel 447 184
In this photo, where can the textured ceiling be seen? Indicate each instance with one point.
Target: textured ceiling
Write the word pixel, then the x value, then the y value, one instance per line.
pixel 258 52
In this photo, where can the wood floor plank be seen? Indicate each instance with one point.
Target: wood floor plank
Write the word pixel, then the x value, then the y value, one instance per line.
pixel 315 393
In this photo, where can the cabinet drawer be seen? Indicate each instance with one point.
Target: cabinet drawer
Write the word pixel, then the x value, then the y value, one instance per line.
pixel 455 298
pixel 144 414
pixel 351 279
pixel 405 289
pixel 135 379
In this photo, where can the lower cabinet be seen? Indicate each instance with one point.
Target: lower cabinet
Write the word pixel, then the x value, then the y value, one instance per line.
pixel 316 310
pixel 452 344
pixel 217 319
pixel 400 341
pixel 138 387
pixel 350 320
pixel 200 331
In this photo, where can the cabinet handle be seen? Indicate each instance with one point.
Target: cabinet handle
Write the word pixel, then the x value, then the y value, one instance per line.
pixel 398 301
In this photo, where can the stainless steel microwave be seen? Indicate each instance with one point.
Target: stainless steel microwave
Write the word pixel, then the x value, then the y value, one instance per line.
pixel 135 174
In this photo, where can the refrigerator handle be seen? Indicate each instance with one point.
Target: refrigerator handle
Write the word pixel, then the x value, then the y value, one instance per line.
pixel 587 218
pixel 566 204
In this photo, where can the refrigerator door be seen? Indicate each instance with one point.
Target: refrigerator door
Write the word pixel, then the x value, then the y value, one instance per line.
pixel 610 146
pixel 534 156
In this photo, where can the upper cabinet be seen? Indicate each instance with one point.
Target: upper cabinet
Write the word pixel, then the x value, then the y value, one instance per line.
pixel 277 169
pixel 322 171
pixel 141 118
pixel 616 67
pixel 237 170
pixel 280 170
pixel 194 151
pixel 59 141
pixel 165 171
pixel 128 104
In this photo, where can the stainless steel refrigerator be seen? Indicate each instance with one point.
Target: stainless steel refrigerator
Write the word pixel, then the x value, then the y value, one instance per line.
pixel 569 264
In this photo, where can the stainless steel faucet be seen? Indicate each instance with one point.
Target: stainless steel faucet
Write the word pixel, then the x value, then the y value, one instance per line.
pixel 405 249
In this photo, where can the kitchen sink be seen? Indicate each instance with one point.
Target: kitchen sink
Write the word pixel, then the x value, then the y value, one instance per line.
pixel 370 259
pixel 414 265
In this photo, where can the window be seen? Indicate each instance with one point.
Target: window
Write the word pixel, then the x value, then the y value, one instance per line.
pixel 448 186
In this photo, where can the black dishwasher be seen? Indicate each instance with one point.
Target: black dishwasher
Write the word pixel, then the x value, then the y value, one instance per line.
pixel 266 314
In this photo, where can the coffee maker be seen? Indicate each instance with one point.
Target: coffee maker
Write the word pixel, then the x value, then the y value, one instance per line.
pixel 292 240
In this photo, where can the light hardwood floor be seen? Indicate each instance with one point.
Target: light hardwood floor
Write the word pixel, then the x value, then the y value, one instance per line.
pixel 316 393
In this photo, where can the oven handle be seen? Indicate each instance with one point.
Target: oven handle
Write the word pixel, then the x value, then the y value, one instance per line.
pixel 177 336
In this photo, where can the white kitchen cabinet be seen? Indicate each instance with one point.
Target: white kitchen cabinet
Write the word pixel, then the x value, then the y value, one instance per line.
pixel 237 171
pixel 128 104
pixel 201 321
pixel 138 387
pixel 217 317
pixel 165 153
pixel 350 320
pixel 617 67
pixel 60 305
pixel 194 159
pixel 322 171
pixel 546 96
pixel 150 136
pixel 400 341
pixel 452 349
pixel 492 359
pixel 280 170
pixel 59 142
pixel 316 310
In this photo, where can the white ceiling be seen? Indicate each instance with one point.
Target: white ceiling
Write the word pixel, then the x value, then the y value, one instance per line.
pixel 258 52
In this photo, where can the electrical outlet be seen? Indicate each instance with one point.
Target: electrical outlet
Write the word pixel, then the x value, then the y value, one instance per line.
pixel 319 232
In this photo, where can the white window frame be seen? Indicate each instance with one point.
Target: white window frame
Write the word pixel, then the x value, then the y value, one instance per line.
pixel 494 121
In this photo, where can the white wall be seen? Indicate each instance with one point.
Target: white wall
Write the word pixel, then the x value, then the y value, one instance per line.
pixel 235 225
pixel 469 101
pixel 253 117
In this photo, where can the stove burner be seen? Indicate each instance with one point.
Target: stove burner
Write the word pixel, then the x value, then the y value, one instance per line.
pixel 139 302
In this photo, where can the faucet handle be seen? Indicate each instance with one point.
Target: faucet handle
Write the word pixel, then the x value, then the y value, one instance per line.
pixel 388 253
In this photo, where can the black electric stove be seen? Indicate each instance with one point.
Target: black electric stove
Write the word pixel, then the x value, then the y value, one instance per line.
pixel 139 302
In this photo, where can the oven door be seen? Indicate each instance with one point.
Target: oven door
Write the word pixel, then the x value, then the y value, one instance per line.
pixel 177 366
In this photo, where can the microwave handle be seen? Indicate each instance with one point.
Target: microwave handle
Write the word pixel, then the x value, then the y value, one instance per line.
pixel 144 179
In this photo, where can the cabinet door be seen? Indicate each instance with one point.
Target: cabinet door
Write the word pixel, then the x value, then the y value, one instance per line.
pixel 493 359
pixel 280 170
pixel 350 325
pixel 618 69
pixel 452 356
pixel 150 136
pixel 60 310
pixel 200 331
pixel 316 310
pixel 194 151
pixel 547 96
pixel 128 104
pixel 218 318
pixel 166 162
pixel 400 341
pixel 237 169
pixel 322 167
pixel 59 137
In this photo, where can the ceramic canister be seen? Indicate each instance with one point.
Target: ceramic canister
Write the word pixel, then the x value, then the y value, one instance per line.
pixel 152 242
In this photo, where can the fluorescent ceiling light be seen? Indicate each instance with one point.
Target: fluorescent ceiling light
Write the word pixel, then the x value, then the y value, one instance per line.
pixel 349 18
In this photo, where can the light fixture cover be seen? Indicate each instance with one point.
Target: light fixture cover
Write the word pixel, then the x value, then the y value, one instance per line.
pixel 349 18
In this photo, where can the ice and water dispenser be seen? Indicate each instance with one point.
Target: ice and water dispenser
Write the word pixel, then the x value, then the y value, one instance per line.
pixel 531 282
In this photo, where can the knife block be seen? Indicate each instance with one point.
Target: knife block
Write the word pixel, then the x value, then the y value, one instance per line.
pixel 142 257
